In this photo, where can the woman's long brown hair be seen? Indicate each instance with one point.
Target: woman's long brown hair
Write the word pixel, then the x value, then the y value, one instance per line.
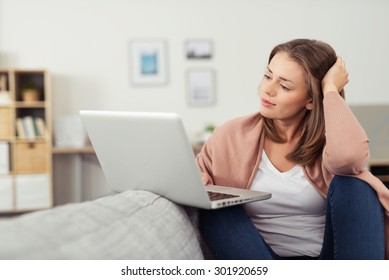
pixel 316 58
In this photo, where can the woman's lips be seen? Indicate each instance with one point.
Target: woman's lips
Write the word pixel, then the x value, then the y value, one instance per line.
pixel 267 103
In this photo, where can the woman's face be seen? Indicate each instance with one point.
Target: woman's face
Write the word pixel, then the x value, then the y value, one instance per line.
pixel 283 91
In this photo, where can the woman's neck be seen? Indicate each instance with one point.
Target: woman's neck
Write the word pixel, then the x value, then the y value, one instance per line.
pixel 290 132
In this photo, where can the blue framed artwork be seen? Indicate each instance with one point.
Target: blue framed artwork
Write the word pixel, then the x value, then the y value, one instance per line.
pixel 148 62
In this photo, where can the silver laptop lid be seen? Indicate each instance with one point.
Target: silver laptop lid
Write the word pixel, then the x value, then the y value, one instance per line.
pixel 146 151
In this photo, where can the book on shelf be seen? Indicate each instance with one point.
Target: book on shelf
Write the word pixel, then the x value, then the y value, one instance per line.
pixel 30 128
pixel 20 128
pixel 40 127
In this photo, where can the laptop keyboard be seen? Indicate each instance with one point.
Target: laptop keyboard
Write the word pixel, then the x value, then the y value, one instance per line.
pixel 217 196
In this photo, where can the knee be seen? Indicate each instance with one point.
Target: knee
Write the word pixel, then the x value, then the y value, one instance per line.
pixel 345 182
pixel 347 187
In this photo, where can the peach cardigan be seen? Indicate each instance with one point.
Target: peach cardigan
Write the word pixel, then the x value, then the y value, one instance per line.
pixel 232 154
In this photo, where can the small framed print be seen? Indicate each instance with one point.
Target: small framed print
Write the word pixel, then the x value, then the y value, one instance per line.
pixel 199 49
pixel 148 62
pixel 201 87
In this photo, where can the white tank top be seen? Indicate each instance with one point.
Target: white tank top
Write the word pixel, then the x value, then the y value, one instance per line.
pixel 292 221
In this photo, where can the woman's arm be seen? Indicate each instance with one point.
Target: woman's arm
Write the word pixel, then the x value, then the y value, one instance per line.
pixel 336 77
pixel 204 163
pixel 347 150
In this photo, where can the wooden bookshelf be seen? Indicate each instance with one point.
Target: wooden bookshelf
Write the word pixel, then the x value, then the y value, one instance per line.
pixel 25 136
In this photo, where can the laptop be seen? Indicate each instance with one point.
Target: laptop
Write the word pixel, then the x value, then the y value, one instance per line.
pixel 151 152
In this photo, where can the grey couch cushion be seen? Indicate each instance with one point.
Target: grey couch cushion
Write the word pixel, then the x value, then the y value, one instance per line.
pixel 130 225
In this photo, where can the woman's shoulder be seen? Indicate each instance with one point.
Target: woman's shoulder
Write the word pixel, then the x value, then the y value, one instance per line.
pixel 247 122
pixel 238 130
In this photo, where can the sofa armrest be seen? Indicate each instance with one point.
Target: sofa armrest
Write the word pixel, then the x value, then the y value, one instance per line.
pixel 129 225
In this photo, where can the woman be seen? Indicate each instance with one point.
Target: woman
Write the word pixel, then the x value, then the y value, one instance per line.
pixel 305 147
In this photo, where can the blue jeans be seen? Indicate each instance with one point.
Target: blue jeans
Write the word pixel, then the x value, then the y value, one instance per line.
pixel 354 227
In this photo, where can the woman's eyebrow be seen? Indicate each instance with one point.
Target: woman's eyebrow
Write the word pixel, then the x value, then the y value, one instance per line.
pixel 281 78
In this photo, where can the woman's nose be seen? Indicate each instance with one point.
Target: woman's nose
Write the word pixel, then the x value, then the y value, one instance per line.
pixel 270 93
pixel 269 88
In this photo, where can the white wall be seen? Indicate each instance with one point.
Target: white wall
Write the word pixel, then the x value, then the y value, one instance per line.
pixel 84 45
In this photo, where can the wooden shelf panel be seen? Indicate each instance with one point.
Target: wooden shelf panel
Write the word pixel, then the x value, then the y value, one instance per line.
pixel 73 150
pixel 36 104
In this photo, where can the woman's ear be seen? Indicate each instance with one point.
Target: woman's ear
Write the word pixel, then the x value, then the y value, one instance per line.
pixel 309 105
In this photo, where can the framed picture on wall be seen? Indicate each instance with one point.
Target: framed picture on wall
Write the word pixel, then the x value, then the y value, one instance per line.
pixel 201 87
pixel 199 49
pixel 148 62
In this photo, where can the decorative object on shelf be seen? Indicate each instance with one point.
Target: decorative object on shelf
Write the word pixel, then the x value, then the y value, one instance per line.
pixel 3 82
pixel 208 130
pixel 30 92
pixel 201 87
pixel 148 62
pixel 5 98
pixel 199 49
pixel 69 131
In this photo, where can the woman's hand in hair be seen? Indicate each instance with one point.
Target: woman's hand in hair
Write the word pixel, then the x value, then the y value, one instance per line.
pixel 336 77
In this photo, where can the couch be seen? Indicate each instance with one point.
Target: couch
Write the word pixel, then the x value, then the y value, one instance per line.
pixel 129 225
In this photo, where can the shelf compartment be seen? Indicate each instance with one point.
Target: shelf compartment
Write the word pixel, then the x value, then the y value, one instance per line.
pixel 28 80
pixel 32 192
pixel 31 157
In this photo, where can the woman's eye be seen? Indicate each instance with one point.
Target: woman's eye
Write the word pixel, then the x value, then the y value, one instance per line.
pixel 267 77
pixel 284 87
